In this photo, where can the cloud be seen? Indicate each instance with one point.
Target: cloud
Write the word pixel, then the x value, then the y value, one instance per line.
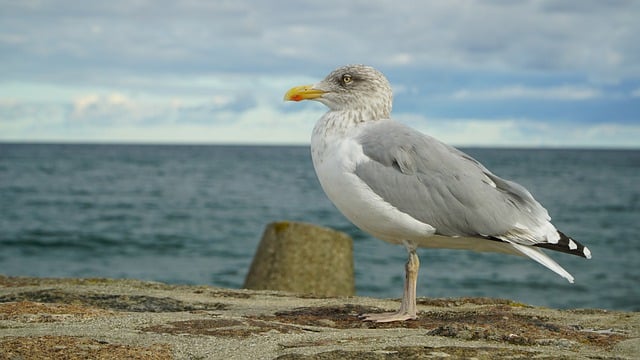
pixel 566 92
pixel 104 120
pixel 198 36
pixel 608 134
pixel 511 132
pixel 121 118
pixel 97 106
pixel 200 69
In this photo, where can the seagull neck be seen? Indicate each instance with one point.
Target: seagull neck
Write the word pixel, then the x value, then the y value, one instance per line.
pixel 345 119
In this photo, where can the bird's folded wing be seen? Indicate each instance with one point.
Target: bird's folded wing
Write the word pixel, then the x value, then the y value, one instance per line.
pixel 447 189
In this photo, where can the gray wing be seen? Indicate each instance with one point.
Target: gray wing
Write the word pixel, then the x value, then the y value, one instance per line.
pixel 445 188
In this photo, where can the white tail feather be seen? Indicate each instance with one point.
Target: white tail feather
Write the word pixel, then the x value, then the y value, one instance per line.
pixel 542 258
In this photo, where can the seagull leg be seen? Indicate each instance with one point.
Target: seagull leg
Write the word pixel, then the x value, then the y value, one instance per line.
pixel 408 307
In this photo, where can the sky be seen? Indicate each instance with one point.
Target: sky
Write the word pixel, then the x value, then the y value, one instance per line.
pixel 471 73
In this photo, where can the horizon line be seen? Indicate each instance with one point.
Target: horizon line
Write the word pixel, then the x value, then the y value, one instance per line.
pixel 298 144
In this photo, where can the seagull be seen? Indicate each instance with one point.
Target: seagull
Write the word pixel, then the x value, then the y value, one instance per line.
pixel 407 188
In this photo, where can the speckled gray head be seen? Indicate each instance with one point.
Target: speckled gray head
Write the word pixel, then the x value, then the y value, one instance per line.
pixel 351 87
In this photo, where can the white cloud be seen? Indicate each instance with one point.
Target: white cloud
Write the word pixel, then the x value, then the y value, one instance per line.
pixel 198 36
pixel 605 134
pixel 400 59
pixel 525 132
pixel 483 132
pixel 566 92
pixel 274 123
pixel 110 106
pixel 222 100
pixel 114 116
pixel 217 70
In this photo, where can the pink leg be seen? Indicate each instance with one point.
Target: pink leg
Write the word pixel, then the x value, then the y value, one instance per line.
pixel 408 308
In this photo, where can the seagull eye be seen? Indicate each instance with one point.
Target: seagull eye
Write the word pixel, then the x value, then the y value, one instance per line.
pixel 346 78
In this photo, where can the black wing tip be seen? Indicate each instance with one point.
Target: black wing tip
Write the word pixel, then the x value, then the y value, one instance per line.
pixel 568 245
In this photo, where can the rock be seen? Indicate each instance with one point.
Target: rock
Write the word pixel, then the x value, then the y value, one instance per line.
pixel 303 258
pixel 630 348
pixel 44 318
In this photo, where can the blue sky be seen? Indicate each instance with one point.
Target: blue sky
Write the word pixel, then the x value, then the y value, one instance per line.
pixel 487 73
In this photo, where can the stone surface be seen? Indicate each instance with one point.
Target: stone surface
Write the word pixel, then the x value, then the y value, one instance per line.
pixel 101 318
pixel 303 258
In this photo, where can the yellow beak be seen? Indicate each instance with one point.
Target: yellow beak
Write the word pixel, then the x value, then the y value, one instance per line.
pixel 304 92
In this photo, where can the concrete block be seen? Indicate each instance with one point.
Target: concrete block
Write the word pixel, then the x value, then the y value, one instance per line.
pixel 303 258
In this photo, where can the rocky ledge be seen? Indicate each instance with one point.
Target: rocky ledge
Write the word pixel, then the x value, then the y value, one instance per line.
pixel 113 319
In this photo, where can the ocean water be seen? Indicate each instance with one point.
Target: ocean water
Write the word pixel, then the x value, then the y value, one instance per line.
pixel 195 215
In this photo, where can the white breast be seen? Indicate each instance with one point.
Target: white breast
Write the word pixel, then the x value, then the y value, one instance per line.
pixel 335 156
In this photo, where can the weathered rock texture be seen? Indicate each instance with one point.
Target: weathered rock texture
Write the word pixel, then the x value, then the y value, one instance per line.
pixel 128 319
pixel 303 258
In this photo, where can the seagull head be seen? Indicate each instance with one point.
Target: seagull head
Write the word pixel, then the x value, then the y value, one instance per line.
pixel 351 88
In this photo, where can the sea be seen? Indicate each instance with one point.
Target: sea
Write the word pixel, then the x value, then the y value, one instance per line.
pixel 194 214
